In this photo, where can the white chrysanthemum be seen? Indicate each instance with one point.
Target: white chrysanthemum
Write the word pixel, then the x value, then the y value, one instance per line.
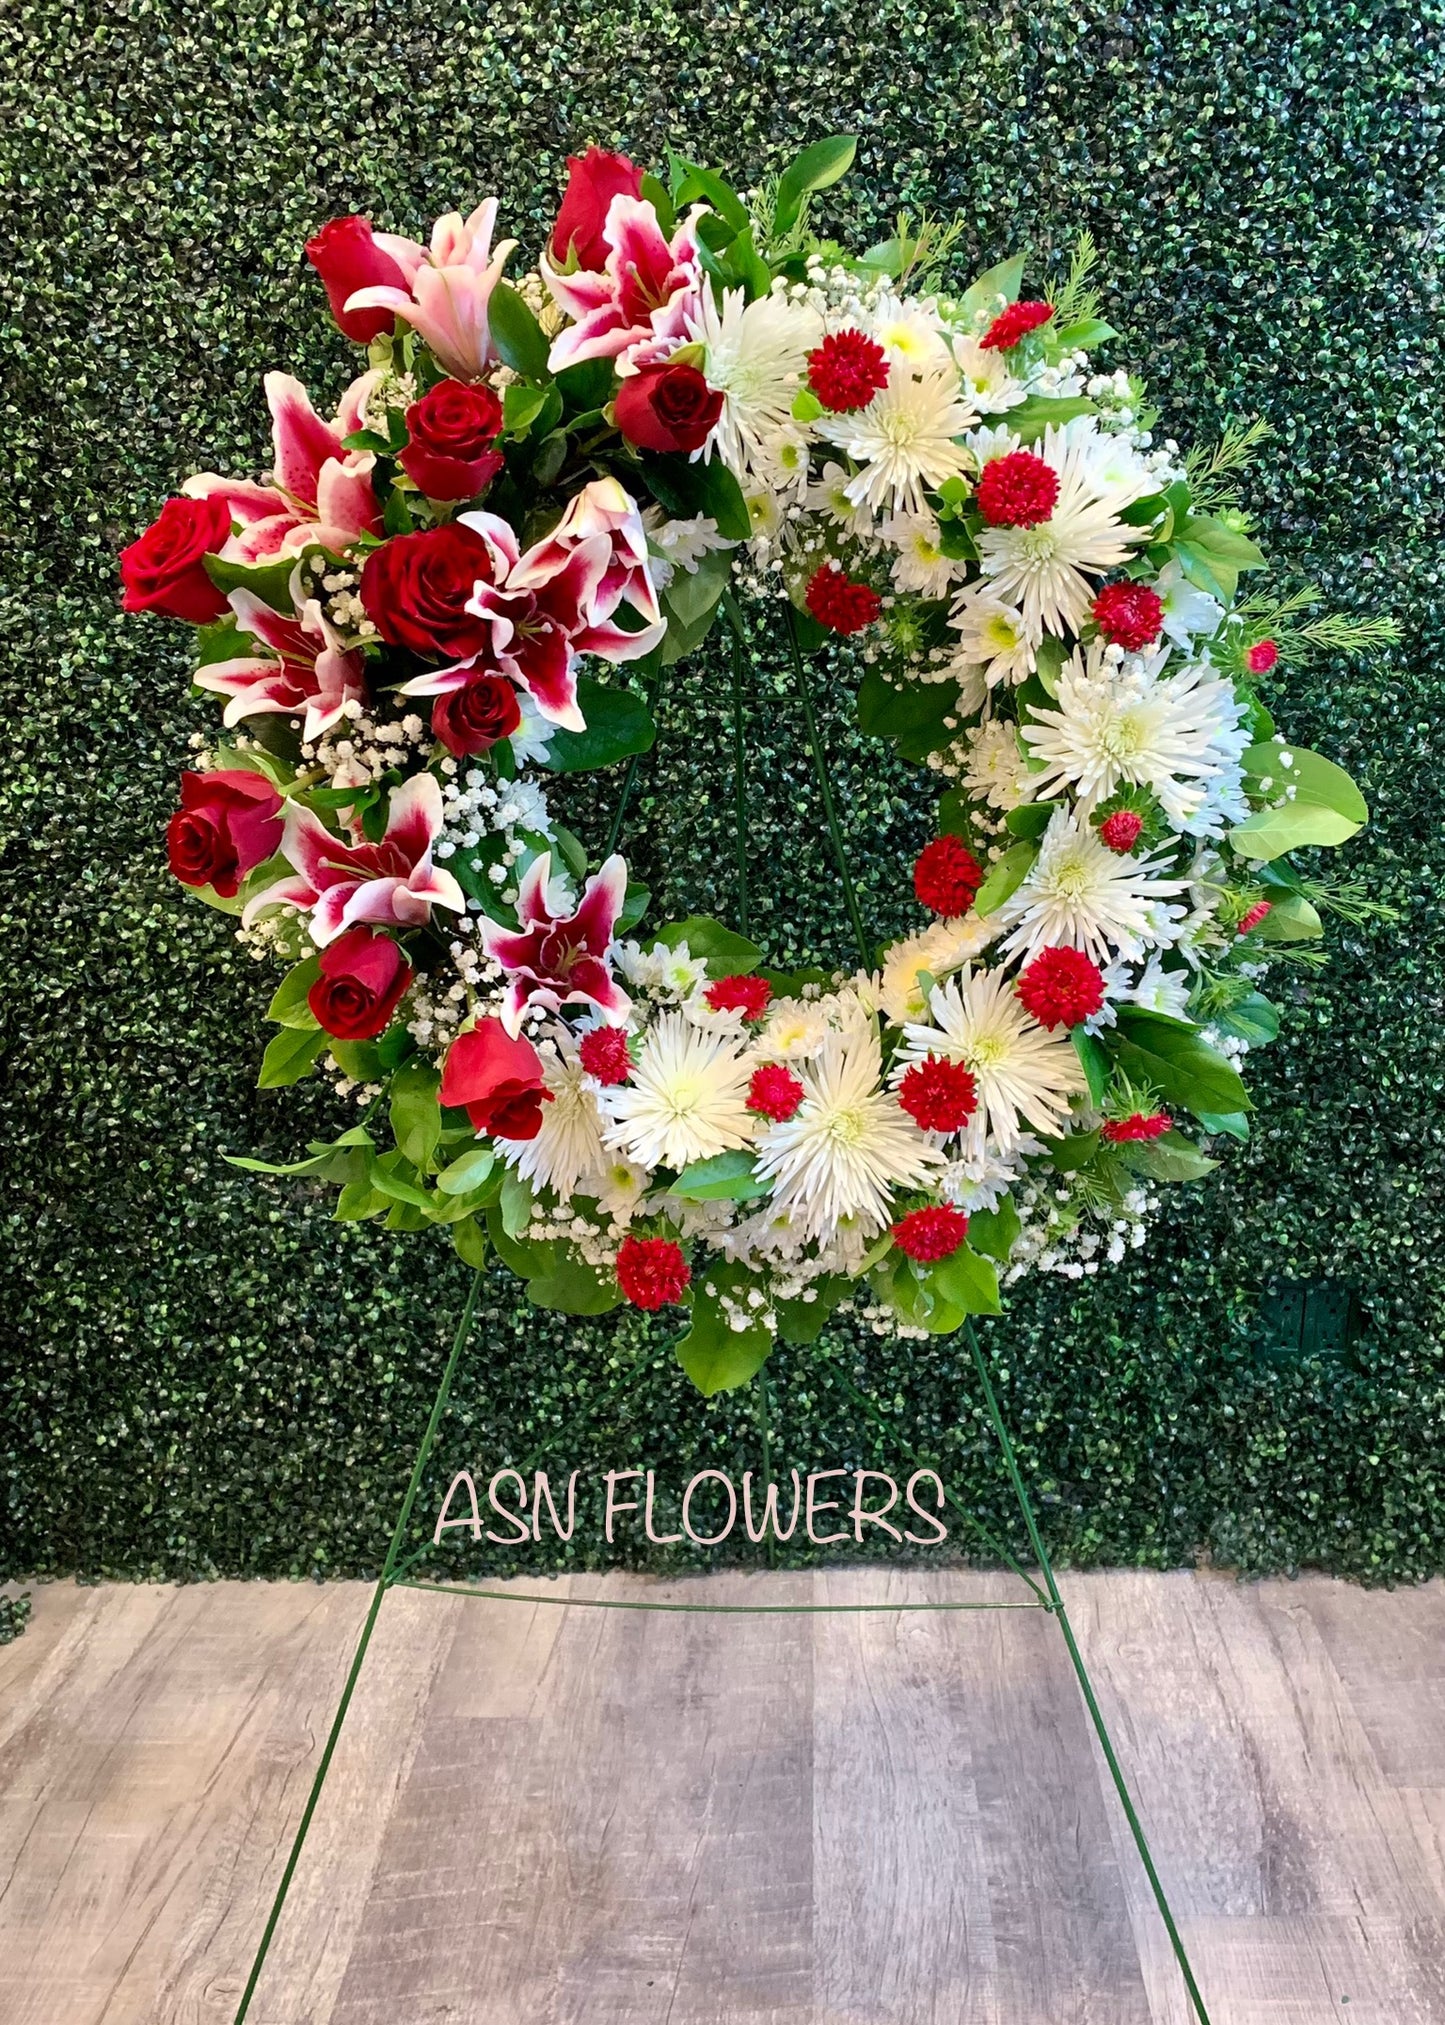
pixel 620 1188
pixel 976 1180
pixel 567 1153
pixel 830 496
pixel 1162 991
pixel 936 950
pixel 679 544
pixel 687 1099
pixel 993 636
pixel 903 439
pixel 848 1145
pixel 757 355
pixel 1045 570
pixel 1124 722
pixel 794 1028
pixel 1022 1072
pixel 662 973
pixel 783 461
pixel 991 387
pixel 533 736
pixel 1188 613
pixel 994 771
pixel 920 564
pixel 910 332
pixel 1081 895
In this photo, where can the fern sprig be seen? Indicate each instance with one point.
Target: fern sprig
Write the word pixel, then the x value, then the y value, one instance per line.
pixel 1073 300
pixel 1207 466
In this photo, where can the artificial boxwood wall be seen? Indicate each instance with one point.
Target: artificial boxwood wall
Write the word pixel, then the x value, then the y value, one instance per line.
pixel 200 1373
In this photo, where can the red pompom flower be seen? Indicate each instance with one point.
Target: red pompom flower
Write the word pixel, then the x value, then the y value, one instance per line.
pixel 748 995
pixel 1121 831
pixel 847 370
pixel 938 1095
pixel 838 603
pixel 603 1053
pixel 651 1272
pixel 775 1092
pixel 1138 1125
pixel 946 877
pixel 1014 323
pixel 1019 490
pixel 929 1234
pixel 1061 987
pixel 1129 615
pixel 1261 657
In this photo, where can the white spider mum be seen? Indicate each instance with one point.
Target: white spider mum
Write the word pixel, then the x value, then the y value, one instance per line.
pixel 686 1101
pixel 1188 612
pixel 910 332
pixel 1162 991
pixel 849 1143
pixel 1024 1075
pixel 830 496
pixel 1123 722
pixel 1081 895
pixel 757 355
pixel 920 564
pixel 994 770
pixel 903 439
pixel 993 636
pixel 1045 570
pixel 934 952
pixel 989 384
pixel 567 1153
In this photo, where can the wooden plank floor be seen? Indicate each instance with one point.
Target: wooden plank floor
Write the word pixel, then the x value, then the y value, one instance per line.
pixel 549 1817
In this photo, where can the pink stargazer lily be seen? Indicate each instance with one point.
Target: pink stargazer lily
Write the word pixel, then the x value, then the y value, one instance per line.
pixel 451 289
pixel 561 959
pixel 307 670
pixel 641 297
pixel 557 601
pixel 320 492
pixel 393 881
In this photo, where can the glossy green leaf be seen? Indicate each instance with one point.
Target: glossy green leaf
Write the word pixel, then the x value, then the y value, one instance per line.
pixel 289 1008
pixel 516 333
pixel 817 168
pixel 726 1177
pixel 618 724
pixel 725 953
pixel 290 1055
pixel 1005 876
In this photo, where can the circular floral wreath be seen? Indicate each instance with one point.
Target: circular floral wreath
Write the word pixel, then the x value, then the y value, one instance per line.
pixel 567 472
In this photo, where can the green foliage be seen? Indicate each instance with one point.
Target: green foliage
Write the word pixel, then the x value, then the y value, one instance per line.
pixel 203 1373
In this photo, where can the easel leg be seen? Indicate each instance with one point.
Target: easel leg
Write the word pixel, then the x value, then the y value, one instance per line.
pixel 1086 1687
pixel 439 1405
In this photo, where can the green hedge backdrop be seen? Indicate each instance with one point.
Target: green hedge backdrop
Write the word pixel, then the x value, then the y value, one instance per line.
pixel 202 1374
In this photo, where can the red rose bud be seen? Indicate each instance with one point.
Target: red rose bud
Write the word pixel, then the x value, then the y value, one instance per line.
pixel 363 975
pixel 226 825
pixel 666 407
pixel 1019 490
pixel 415 589
pixel 651 1272
pixel 1261 657
pixel 164 571
pixel 496 1080
pixel 1013 324
pixel 473 718
pixel 593 180
pixel 452 431
pixel 346 256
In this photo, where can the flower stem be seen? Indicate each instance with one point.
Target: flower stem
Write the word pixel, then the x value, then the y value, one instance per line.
pixel 850 892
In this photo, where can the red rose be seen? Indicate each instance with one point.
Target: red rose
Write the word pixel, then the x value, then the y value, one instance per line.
pixel 452 430
pixel 363 975
pixel 666 407
pixel 226 825
pixel 346 256
pixel 593 180
pixel 497 1081
pixel 164 571
pixel 472 718
pixel 415 590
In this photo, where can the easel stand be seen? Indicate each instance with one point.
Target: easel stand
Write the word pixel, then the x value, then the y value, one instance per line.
pixel 1045 1596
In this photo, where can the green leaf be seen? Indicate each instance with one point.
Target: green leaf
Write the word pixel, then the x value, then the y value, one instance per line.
pixel 289 1056
pixel 358 1201
pixel 516 333
pixel 1253 1019
pixel 515 1207
pixel 992 291
pixel 803 1321
pixel 470 1241
pixel 715 1356
pixel 1085 335
pixel 468 1172
pixel 994 1231
pixel 654 193
pixel 416 1118
pixel 270 582
pixel 893 710
pixel 1313 777
pixel 806 406
pixel 618 724
pixel 725 954
pixel 706 186
pixel 394 1175
pixel 587 387
pixel 1291 918
pixel 1073 1151
pixel 1095 1064
pixel 521 405
pixel 726 1177
pixel 1174 1060
pixel 222 641
pixel 572 849
pixel 968 1281
pixel 817 168
pixel 1030 819
pixel 1234 1123
pixel 1031 417
pixel 634 906
pixel 686 490
pixel 289 1008
pixel 1171 1157
pixel 1295 826
pixel 573 1287
pixel 1006 876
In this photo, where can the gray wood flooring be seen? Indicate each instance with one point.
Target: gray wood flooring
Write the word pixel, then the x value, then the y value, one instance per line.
pixel 549 1817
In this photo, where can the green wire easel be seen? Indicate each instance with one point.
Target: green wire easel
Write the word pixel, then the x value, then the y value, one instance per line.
pixel 397 1572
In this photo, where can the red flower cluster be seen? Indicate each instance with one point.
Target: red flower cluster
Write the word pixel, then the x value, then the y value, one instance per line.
pixel 1121 831
pixel 1061 987
pixel 946 877
pixel 1119 1131
pixel 1261 657
pixel 651 1272
pixel 847 370
pixel 838 603
pixel 1019 490
pixel 1129 615
pixel 1014 323
pixel 748 995
pixel 775 1092
pixel 929 1234
pixel 363 975
pixel 1255 915
pixel 604 1054
pixel 938 1095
